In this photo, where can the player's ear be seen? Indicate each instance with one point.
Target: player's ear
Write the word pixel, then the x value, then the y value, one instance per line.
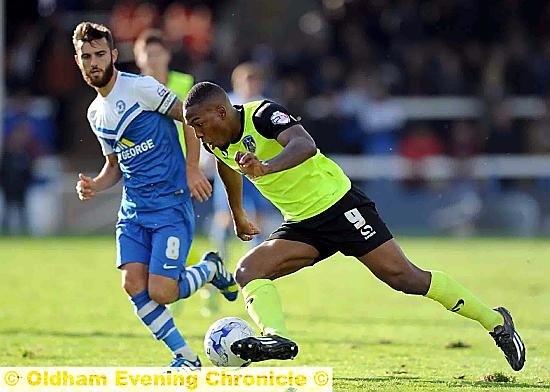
pixel 114 54
pixel 222 111
pixel 76 60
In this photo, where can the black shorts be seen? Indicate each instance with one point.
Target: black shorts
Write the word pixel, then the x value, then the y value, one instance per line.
pixel 351 226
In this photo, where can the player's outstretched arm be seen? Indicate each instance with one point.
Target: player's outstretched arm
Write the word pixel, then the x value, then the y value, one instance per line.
pixel 200 187
pixel 87 187
pixel 233 184
pixel 198 184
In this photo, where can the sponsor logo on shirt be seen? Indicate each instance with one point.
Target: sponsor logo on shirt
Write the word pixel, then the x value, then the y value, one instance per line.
pixel 279 118
pixel 128 149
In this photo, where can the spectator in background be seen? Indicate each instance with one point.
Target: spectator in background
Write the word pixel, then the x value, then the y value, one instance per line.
pixel 462 204
pixel 129 20
pixel 55 56
pixel 538 142
pixel 418 48
pixel 331 114
pixel 292 89
pixel 515 211
pixel 464 140
pixel 504 137
pixel 538 133
pixel 21 56
pixel 16 175
pixel 519 71
pixel 152 57
pixel 420 143
pixel 494 87
pixel 542 67
pixel 447 71
pixel 416 78
pixel 248 82
pixel 380 118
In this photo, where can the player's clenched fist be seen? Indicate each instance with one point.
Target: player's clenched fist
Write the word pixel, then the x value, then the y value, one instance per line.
pixel 85 187
pixel 250 164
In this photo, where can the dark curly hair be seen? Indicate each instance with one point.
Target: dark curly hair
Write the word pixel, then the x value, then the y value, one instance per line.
pixel 89 31
pixel 203 91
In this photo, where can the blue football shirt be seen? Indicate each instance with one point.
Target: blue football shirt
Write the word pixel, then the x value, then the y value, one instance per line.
pixel 131 122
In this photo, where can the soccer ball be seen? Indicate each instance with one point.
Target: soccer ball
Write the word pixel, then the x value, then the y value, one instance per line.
pixel 220 336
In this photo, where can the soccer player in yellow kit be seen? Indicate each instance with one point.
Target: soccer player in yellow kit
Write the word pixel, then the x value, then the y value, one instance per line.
pixel 324 214
pixel 153 56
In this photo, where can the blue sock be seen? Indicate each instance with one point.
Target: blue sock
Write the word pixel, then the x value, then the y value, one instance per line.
pixel 159 321
pixel 195 277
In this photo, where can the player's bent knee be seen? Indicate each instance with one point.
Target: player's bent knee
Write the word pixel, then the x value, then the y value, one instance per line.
pixel 242 274
pixel 134 278
pixel 163 290
pixel 246 272
pixel 133 284
pixel 162 296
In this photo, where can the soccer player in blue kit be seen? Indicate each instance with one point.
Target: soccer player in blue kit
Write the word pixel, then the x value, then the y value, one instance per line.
pixel 132 117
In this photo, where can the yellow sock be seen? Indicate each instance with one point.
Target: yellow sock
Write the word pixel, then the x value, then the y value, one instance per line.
pixel 264 306
pixel 456 298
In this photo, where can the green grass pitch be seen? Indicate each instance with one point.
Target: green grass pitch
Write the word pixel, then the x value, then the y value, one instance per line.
pixel 61 305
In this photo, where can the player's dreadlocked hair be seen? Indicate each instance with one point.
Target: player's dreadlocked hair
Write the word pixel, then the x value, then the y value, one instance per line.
pixel 201 92
pixel 88 32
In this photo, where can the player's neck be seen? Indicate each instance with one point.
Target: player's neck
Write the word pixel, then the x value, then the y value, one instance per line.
pixel 105 90
pixel 236 123
pixel 161 76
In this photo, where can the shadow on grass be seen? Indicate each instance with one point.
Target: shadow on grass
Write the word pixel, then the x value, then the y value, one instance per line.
pixel 390 321
pixel 358 381
pixel 79 334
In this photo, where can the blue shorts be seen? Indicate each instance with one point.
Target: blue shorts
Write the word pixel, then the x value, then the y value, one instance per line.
pixel 160 239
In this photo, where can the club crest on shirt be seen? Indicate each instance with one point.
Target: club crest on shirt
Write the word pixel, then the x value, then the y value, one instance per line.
pixel 120 106
pixel 249 143
pixel 279 118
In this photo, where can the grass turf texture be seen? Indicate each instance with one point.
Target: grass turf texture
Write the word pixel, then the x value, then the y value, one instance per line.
pixel 61 305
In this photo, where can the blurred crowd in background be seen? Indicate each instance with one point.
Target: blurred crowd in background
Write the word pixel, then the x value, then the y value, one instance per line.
pixel 351 69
